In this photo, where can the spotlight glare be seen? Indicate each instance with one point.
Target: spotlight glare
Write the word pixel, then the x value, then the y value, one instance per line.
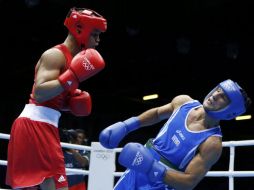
pixel 150 97
pixel 243 117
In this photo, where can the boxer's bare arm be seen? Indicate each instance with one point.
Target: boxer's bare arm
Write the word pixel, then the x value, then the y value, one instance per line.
pixel 48 68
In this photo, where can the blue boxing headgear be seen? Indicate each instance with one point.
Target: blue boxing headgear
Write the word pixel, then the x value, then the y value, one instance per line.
pixel 236 104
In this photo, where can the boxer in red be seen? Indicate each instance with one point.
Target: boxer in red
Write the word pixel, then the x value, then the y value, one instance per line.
pixel 35 156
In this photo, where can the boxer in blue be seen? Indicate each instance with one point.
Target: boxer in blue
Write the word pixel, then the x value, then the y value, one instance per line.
pixel 187 146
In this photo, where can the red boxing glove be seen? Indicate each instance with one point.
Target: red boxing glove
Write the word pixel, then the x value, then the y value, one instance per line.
pixel 83 66
pixel 80 103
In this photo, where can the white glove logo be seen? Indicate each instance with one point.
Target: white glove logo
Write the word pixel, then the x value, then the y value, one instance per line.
pixel 138 159
pixel 69 82
pixel 87 65
pixel 155 173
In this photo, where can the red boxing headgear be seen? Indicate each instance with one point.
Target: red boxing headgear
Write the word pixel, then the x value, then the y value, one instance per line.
pixel 81 22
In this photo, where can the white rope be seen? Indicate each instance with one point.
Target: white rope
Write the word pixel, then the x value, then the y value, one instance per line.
pixel 77 171
pixel 68 170
pixel 75 146
pixel 79 147
pixel 229 174
pixel 4 136
pixel 238 143
pixel 216 174
pixel 3 163
pixel 64 145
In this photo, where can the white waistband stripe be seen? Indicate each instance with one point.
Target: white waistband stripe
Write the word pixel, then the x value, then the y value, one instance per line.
pixel 40 113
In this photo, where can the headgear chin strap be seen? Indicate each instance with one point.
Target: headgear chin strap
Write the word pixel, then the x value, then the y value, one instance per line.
pixel 81 22
pixel 235 107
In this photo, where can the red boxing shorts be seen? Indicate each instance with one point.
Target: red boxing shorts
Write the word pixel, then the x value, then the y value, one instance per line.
pixel 34 150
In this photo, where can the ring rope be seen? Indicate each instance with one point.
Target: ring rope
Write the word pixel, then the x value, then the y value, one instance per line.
pixel 231 173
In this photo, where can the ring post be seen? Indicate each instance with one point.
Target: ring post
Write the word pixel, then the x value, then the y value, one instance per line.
pixel 101 167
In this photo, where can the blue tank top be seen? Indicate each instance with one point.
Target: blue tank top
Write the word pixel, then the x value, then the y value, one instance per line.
pixel 176 142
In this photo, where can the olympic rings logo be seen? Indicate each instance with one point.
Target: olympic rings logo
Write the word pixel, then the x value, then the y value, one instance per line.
pixel 138 159
pixel 88 66
pixel 102 156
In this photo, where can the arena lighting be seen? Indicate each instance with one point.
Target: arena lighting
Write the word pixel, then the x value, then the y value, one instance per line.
pixel 243 117
pixel 150 97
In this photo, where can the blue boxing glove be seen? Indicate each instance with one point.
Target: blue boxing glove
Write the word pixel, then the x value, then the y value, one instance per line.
pixel 111 136
pixel 136 157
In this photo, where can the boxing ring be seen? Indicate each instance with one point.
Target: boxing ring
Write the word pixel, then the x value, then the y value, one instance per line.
pixel 102 169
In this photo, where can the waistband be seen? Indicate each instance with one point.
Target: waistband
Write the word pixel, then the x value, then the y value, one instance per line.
pixel 158 156
pixel 41 113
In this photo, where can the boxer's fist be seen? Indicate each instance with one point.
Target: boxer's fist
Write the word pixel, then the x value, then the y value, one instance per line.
pixel 83 66
pixel 136 157
pixel 80 103
pixel 112 135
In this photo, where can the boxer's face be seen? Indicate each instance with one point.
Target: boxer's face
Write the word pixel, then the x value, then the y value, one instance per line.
pixel 94 39
pixel 216 101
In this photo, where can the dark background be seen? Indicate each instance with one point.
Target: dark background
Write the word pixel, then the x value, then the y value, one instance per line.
pixel 164 47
